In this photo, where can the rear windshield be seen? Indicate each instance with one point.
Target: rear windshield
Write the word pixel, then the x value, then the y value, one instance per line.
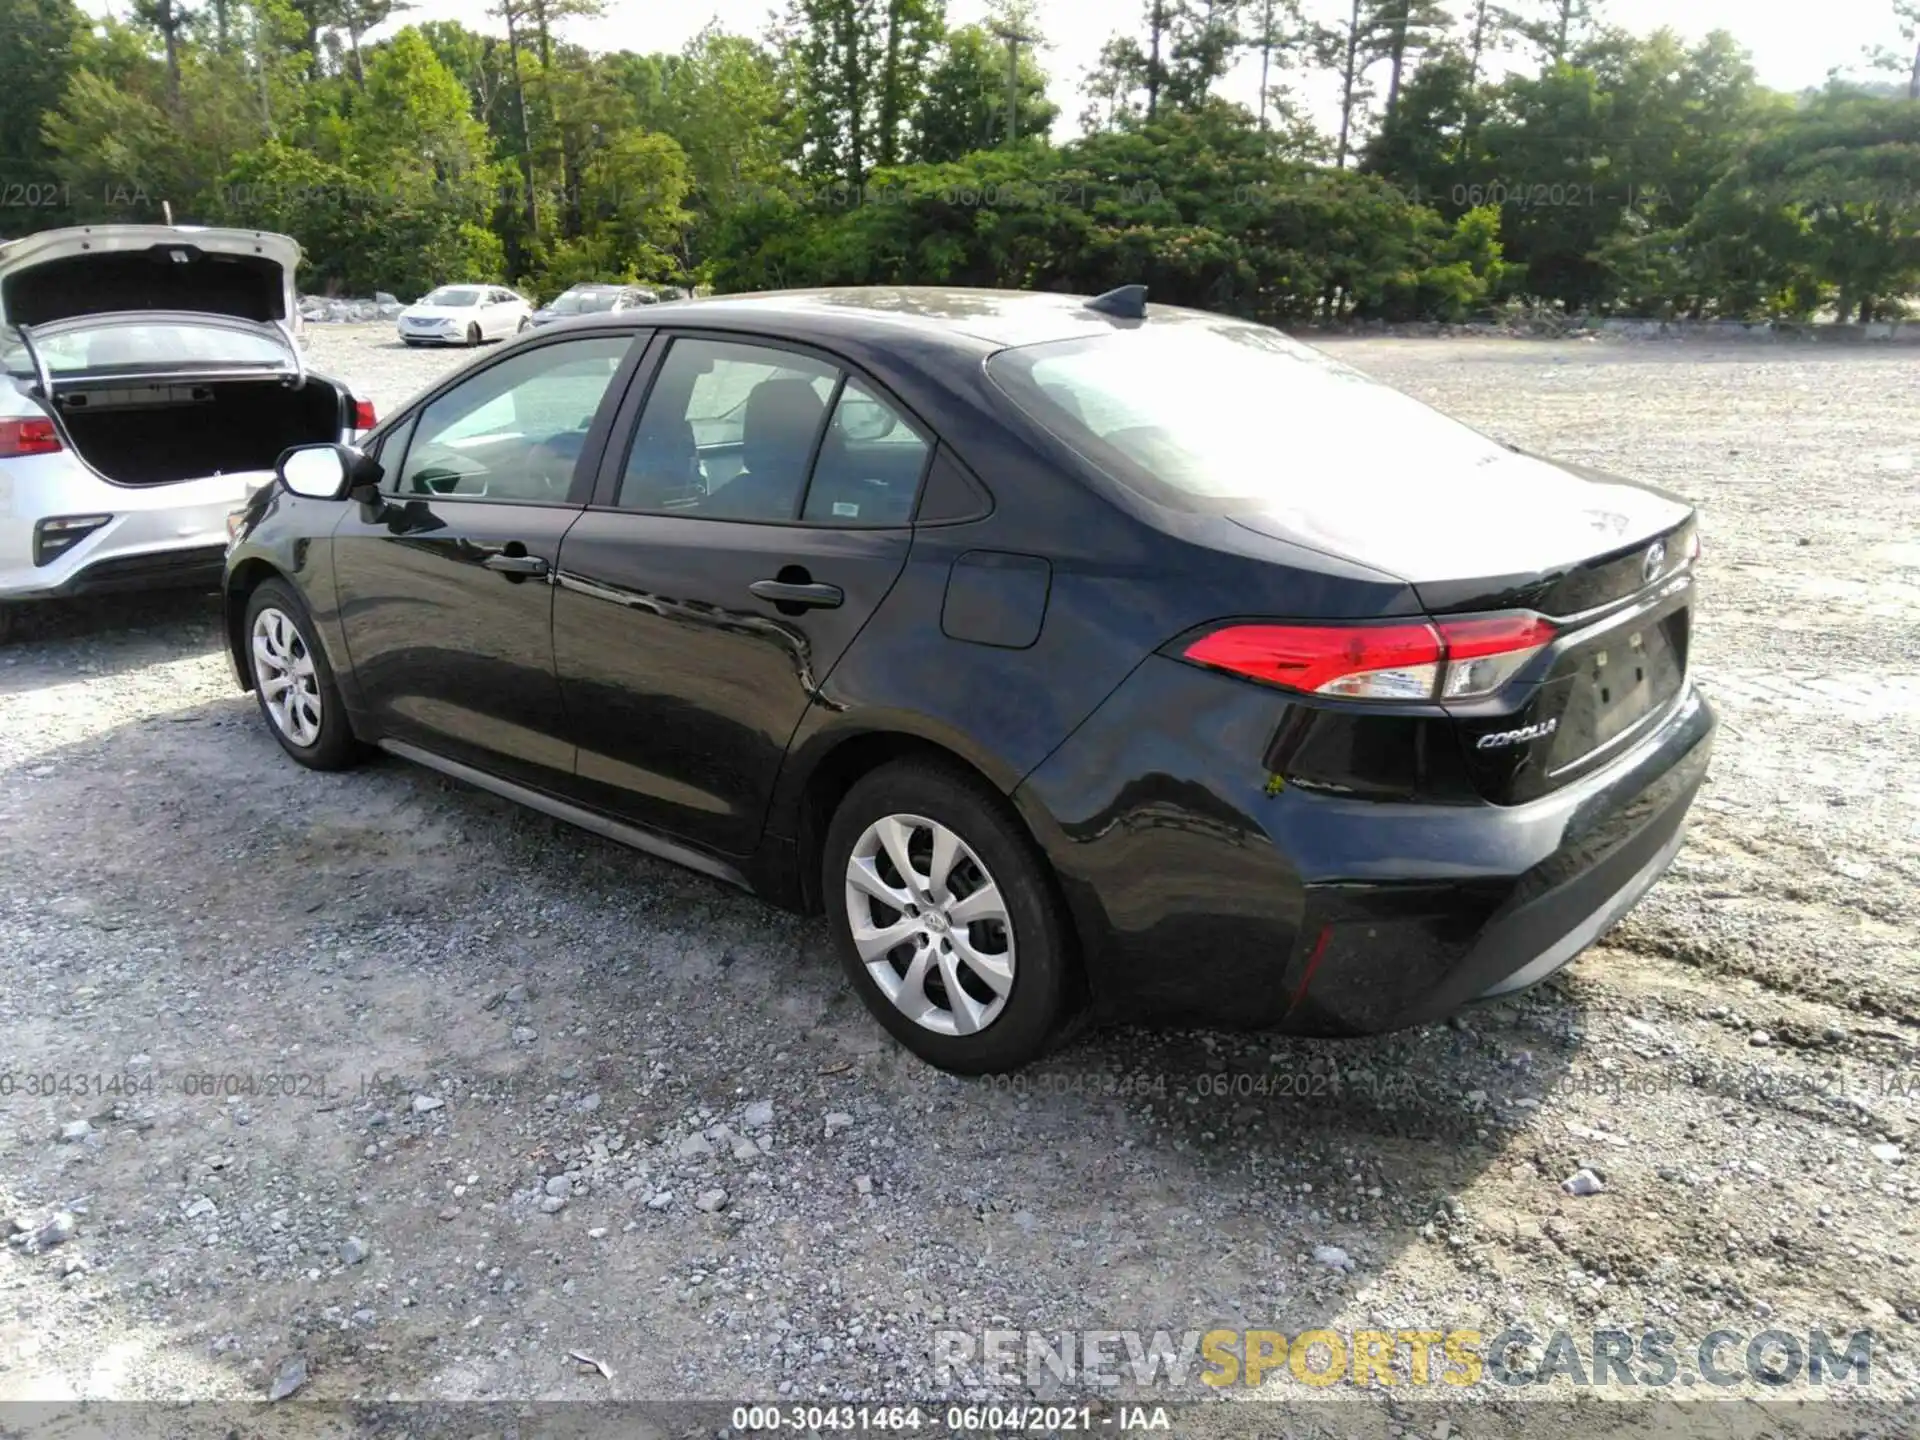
pixel 143 346
pixel 453 296
pixel 1221 416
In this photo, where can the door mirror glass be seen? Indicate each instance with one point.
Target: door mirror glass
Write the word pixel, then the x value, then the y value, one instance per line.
pixel 318 472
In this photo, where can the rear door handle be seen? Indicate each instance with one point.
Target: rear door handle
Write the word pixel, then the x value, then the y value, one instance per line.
pixel 812 596
pixel 516 564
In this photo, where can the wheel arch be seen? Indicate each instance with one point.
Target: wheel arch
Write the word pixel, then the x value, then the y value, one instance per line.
pixel 247 577
pixel 845 760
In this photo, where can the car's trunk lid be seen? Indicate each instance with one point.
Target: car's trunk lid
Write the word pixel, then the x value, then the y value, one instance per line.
pixel 1482 527
pixel 112 269
pixel 1495 530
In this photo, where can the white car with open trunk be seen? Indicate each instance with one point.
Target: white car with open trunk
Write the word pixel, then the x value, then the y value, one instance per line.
pixel 150 378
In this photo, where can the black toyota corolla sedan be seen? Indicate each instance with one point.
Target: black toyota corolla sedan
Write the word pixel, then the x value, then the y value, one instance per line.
pixel 1071 655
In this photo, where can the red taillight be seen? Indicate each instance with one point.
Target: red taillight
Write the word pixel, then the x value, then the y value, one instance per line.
pixel 1443 660
pixel 27 437
pixel 363 416
pixel 1693 547
pixel 1484 653
pixel 1321 659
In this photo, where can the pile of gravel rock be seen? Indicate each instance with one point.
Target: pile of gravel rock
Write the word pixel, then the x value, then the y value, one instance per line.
pixel 334 310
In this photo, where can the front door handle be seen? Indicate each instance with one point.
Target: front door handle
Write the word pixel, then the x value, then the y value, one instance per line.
pixel 808 596
pixel 516 564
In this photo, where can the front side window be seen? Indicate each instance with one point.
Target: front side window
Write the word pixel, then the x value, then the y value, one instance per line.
pixel 729 431
pixel 514 431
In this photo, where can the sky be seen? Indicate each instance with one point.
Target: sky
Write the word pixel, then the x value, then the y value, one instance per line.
pixel 1793 46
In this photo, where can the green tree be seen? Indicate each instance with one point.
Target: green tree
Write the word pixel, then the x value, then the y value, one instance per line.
pixel 1557 28
pixel 1279 33
pixel 333 215
pixel 1904 61
pixel 169 20
pixel 909 31
pixel 835 45
pixel 1830 193
pixel 862 68
pixel 1426 146
pixel 1407 30
pixel 1348 48
pixel 1489 26
pixel 1113 83
pixel 480 63
pixel 727 109
pixel 129 149
pixel 1203 37
pixel 415 146
pixel 37 59
pixel 119 152
pixel 964 107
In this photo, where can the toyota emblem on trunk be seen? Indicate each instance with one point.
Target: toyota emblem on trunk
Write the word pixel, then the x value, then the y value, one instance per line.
pixel 1655 562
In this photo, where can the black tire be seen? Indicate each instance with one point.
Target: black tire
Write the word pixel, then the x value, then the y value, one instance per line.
pixel 7 618
pixel 473 334
pixel 334 746
pixel 1036 1010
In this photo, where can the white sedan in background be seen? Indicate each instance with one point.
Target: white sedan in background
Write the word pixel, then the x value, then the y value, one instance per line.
pixel 464 315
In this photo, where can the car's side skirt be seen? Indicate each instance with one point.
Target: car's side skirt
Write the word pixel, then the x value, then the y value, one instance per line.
pixel 600 825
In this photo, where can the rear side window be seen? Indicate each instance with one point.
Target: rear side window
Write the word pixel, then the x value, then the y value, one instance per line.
pixel 870 464
pixel 734 430
pixel 729 431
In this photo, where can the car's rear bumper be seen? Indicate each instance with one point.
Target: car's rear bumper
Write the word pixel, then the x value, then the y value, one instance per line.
pixel 1203 890
pixel 158 536
pixel 1402 955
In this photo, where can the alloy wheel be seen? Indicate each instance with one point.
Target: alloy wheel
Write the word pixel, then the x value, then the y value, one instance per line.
pixel 930 924
pixel 283 669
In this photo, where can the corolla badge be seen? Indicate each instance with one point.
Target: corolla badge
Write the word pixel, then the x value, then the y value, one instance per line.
pixel 1521 736
pixel 1655 562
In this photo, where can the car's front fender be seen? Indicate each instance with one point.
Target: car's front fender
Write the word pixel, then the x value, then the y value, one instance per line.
pixel 289 538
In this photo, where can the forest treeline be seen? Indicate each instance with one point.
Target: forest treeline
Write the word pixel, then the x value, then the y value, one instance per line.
pixel 1480 153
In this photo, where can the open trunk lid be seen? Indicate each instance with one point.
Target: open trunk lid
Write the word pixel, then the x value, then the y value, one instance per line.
pixel 112 269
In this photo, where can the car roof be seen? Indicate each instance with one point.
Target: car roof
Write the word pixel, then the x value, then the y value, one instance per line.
pixel 996 317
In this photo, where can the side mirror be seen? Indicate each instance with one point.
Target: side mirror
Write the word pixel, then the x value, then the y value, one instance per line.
pixel 864 420
pixel 326 472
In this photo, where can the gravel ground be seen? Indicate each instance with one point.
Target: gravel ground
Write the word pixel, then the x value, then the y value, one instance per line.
pixel 507 1092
